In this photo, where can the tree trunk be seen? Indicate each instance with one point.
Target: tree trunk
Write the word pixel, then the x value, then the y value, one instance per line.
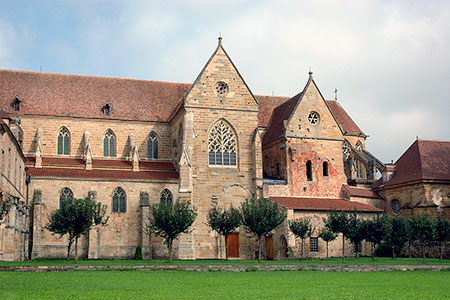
pixel 373 251
pixel 76 250
pixel 150 247
pixel 259 249
pixel 440 251
pixel 301 252
pixel 169 246
pixel 226 247
pixel 343 248
pixel 393 252
pixel 423 252
pixel 327 249
pixel 68 248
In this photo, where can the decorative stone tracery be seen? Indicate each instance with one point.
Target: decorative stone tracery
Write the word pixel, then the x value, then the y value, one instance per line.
pixel 222 145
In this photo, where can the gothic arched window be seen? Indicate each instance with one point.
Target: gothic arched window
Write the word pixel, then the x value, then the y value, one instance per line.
pixel 346 150
pixel 309 174
pixel 152 145
pixel 222 145
pixel 109 144
pixel 64 141
pixel 65 194
pixel 166 196
pixel 119 200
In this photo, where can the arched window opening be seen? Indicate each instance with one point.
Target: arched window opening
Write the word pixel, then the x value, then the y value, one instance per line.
pixel 106 109
pixel 152 146
pixel 119 200
pixel 222 145
pixel 359 169
pixel 16 103
pixel 325 168
pixel 166 197
pixel 395 206
pixel 64 141
pixel 109 144
pixel 359 146
pixel 309 175
pixel 65 194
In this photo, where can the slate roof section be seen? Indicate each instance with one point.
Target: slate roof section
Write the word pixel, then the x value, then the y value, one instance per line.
pixel 84 96
pixel 323 204
pixel 361 192
pixel 423 160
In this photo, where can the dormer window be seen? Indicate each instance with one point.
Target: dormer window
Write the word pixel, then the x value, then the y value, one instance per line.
pixel 16 103
pixel 106 109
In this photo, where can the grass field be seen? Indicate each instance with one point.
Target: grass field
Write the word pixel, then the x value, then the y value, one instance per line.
pixel 324 261
pixel 225 285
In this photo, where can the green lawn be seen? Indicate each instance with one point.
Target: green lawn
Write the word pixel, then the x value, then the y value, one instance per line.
pixel 225 285
pixel 324 261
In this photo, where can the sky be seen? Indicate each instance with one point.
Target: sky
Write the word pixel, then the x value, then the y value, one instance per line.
pixel 389 60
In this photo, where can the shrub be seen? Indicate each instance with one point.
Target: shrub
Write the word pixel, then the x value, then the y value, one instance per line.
pixel 138 253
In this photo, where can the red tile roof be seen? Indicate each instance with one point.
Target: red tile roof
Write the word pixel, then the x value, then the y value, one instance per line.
pixel 84 96
pixel 323 204
pixel 423 160
pixel 347 124
pixel 266 106
pixel 361 192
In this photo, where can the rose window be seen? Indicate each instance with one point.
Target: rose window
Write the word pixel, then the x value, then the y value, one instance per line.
pixel 221 88
pixel 313 118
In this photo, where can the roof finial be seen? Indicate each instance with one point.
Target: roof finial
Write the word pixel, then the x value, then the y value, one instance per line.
pixel 310 73
pixel 220 39
pixel 335 94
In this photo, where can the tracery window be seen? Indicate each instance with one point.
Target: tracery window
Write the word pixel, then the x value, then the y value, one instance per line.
pixel 346 150
pixel 314 118
pixel 166 196
pixel 109 144
pixel 152 145
pixel 395 206
pixel 64 141
pixel 65 194
pixel 222 145
pixel 119 200
pixel 221 88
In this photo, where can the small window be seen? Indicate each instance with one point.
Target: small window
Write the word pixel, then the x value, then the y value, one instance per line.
pixel 221 88
pixel 106 109
pixel 63 141
pixel 119 200
pixel 109 144
pixel 325 168
pixel 359 169
pixel 309 174
pixel 314 244
pixel 359 146
pixel 314 118
pixel 16 103
pixel 357 247
pixel 166 196
pixel 152 145
pixel 395 206
pixel 65 194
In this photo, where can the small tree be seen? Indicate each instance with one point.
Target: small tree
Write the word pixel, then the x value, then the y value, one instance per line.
pixel 302 229
pixel 224 222
pixel 356 231
pixel 442 227
pixel 338 222
pixel 376 230
pixel 261 216
pixel 423 228
pixel 170 220
pixel 397 232
pixel 75 218
pixel 138 253
pixel 328 236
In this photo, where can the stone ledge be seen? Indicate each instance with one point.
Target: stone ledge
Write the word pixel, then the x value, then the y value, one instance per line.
pixel 333 268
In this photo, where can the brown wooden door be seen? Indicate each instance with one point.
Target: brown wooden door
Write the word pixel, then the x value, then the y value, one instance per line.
pixel 233 245
pixel 269 247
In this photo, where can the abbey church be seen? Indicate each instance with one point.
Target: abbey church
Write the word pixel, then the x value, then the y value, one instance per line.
pixel 129 143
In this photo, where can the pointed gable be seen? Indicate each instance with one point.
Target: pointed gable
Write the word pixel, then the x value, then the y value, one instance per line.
pixel 220 85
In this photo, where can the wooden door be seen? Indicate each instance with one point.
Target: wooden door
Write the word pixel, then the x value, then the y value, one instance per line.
pixel 269 247
pixel 233 245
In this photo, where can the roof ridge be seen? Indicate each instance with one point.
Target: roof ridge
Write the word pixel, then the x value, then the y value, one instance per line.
pixel 91 76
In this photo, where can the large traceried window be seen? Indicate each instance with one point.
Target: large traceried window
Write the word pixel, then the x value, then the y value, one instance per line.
pixel 222 145
pixel 65 194
pixel 109 144
pixel 166 197
pixel 64 141
pixel 119 200
pixel 152 145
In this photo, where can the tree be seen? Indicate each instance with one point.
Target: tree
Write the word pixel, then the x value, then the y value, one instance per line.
pixel 356 233
pixel 224 222
pixel 442 227
pixel 328 236
pixel 75 218
pixel 261 216
pixel 338 222
pixel 302 229
pixel 397 233
pixel 423 228
pixel 170 220
pixel 410 236
pixel 375 231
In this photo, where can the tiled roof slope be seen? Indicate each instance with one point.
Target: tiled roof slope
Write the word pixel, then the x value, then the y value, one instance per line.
pixel 361 192
pixel 84 96
pixel 323 204
pixel 423 160
pixel 347 124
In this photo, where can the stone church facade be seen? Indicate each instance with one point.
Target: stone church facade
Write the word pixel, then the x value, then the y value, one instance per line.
pixel 130 143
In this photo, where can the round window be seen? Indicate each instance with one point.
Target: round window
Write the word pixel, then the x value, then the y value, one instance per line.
pixel 221 88
pixel 313 118
pixel 395 206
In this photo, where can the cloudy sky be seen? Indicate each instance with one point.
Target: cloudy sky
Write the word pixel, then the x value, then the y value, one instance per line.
pixel 389 60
